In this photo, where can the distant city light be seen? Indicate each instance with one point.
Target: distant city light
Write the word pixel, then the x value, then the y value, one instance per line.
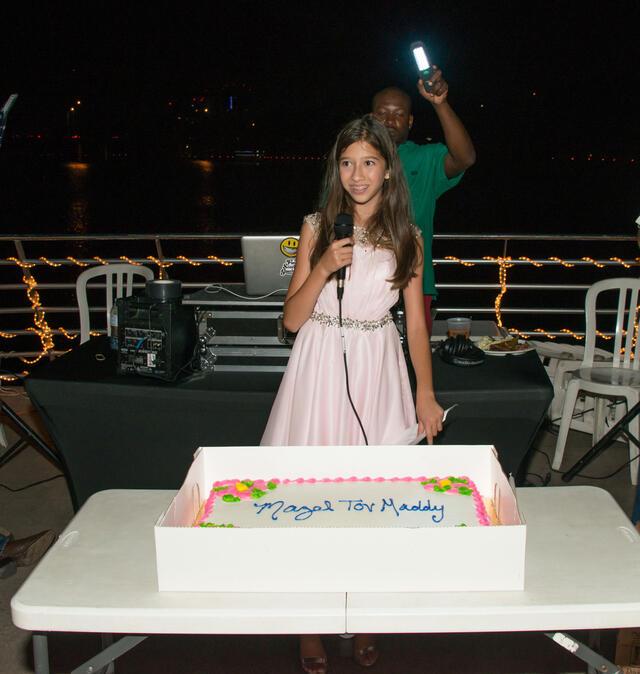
pixel 78 102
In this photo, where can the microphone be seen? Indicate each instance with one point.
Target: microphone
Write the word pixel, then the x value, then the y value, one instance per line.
pixel 342 228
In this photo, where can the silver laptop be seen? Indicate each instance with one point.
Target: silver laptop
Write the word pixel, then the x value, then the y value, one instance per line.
pixel 269 262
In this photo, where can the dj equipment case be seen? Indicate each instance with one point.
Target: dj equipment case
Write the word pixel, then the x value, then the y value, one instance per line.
pixel 246 334
pixel 240 333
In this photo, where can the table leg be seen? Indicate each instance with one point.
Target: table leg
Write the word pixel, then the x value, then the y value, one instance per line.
pixel 40 653
pixel 595 661
pixel 593 643
pixel 346 645
pixel 108 655
pixel 107 640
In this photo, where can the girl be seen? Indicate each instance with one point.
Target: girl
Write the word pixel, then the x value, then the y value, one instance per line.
pixel 363 178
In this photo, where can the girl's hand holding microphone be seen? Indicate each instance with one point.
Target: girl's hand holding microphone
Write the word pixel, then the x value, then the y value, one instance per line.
pixel 338 254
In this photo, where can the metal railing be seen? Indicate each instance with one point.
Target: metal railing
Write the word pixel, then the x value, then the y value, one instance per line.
pixel 469 282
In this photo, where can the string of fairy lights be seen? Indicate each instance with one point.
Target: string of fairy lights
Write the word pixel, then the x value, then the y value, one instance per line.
pixel 507 262
pixel 45 333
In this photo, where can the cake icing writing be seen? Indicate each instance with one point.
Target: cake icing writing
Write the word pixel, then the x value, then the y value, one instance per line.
pixel 412 502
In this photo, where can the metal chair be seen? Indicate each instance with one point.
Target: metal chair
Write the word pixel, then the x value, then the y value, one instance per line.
pixel 619 378
pixel 119 283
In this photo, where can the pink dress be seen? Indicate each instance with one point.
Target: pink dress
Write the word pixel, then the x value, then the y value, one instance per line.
pixel 312 407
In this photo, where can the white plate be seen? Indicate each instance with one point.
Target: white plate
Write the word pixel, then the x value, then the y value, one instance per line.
pixel 509 353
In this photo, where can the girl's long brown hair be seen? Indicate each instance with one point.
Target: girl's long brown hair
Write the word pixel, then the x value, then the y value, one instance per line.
pixel 390 227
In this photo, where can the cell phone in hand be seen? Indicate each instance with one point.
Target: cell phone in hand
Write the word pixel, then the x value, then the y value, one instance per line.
pixel 422 63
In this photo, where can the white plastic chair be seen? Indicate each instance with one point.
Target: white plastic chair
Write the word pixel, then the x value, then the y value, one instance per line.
pixel 619 378
pixel 119 283
pixel 560 361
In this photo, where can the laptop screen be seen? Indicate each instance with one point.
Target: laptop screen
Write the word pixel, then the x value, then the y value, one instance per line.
pixel 269 262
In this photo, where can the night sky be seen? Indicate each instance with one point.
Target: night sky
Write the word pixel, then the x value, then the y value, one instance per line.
pixel 560 74
pixel 547 90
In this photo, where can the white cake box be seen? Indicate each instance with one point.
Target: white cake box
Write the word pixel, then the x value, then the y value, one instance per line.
pixel 340 559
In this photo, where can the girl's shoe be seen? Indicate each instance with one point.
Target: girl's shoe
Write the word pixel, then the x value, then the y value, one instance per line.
pixel 365 651
pixel 314 664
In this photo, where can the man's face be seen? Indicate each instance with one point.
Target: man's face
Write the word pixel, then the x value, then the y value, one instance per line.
pixel 392 109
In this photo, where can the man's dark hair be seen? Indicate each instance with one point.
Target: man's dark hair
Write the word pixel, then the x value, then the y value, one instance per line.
pixel 395 90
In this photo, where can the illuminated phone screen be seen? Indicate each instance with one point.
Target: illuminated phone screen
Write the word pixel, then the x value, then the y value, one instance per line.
pixel 421 58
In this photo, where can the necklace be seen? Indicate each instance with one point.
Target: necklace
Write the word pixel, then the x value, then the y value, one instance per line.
pixel 361 235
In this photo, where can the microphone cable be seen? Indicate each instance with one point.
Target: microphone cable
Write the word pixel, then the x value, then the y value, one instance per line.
pixel 346 371
pixel 343 228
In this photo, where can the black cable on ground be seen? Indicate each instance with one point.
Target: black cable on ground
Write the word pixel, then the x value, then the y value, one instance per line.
pixel 33 484
pixel 585 477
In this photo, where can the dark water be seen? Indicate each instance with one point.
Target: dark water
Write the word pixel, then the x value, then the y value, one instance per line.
pixel 53 197
pixel 50 197
pixel 180 196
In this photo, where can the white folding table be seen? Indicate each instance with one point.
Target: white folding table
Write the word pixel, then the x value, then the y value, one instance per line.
pixel 582 572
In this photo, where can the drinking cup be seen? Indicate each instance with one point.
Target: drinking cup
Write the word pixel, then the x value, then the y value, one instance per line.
pixel 458 326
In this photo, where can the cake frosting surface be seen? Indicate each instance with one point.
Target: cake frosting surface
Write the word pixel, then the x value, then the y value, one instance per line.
pixel 344 502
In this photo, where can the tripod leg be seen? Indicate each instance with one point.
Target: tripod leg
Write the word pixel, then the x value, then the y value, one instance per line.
pixel 33 437
pixel 15 449
pixel 634 432
pixel 601 445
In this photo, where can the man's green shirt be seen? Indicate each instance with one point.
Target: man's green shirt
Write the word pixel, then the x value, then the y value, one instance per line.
pixel 424 170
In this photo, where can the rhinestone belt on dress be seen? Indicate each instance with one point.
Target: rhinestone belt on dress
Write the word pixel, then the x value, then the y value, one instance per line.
pixel 351 323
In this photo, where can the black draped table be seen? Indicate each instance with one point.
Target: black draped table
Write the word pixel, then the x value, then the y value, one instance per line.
pixel 501 403
pixel 133 432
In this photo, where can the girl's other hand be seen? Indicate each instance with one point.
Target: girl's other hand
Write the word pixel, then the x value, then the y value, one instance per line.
pixel 429 415
pixel 339 254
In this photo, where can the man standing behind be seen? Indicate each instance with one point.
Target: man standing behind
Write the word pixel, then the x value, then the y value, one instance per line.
pixel 430 169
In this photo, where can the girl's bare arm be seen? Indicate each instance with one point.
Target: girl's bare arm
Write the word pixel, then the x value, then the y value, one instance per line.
pixel 428 411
